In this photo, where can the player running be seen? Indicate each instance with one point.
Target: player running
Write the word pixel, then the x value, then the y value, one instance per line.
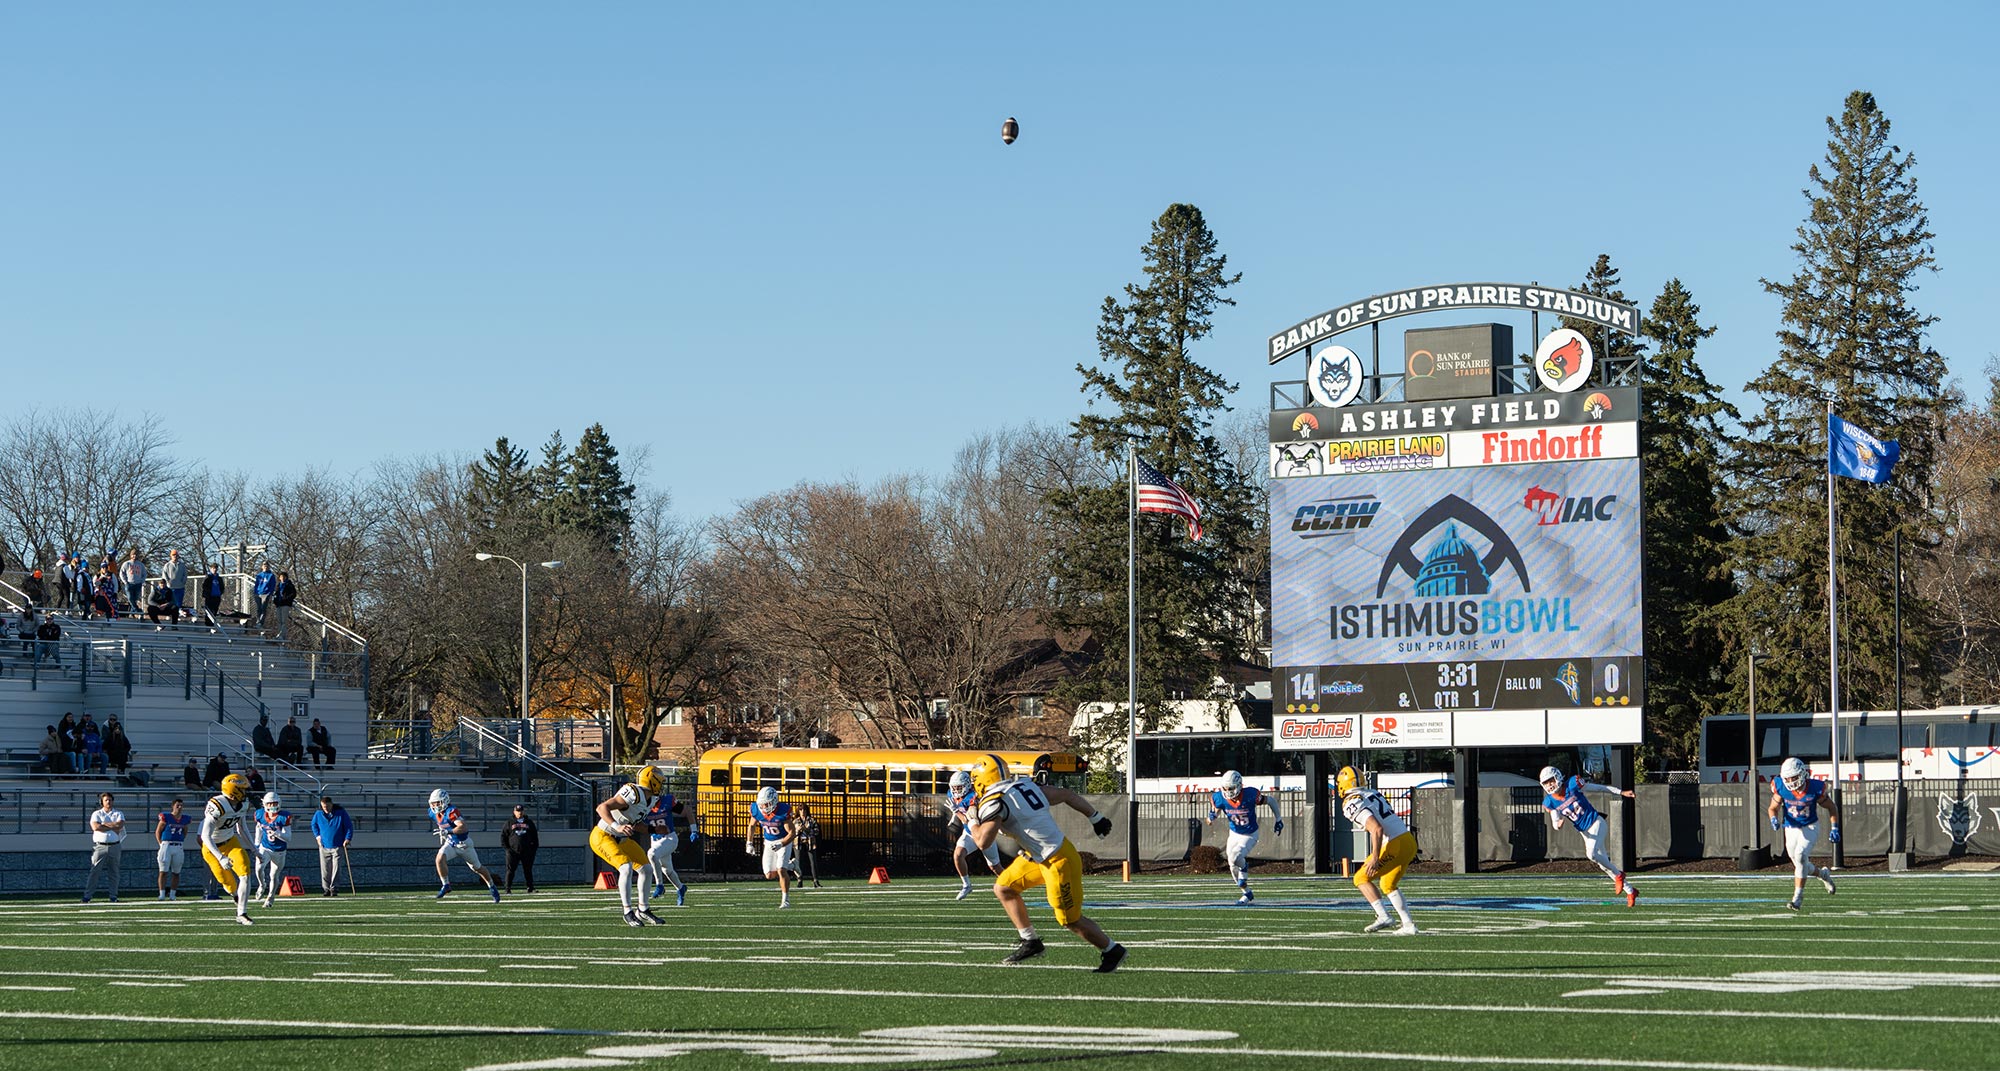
pixel 221 847
pixel 274 833
pixel 1391 849
pixel 660 819
pixel 1795 801
pixel 781 830
pixel 1240 804
pixel 621 821
pixel 1020 808
pixel 959 801
pixel 1565 800
pixel 171 831
pixel 455 842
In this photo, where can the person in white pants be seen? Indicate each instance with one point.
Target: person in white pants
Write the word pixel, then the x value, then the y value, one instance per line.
pixel 274 835
pixel 171 831
pixel 959 801
pixel 1565 801
pixel 1795 801
pixel 660 853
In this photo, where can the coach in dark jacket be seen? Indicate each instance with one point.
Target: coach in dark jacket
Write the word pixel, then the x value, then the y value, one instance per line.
pixel 522 840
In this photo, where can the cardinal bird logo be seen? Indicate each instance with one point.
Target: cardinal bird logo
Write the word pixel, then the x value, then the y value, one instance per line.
pixel 1564 362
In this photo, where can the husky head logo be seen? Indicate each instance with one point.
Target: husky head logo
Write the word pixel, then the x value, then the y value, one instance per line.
pixel 1959 818
pixel 1334 376
pixel 1452 566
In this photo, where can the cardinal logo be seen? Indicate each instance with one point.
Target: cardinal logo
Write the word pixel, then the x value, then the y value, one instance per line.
pixel 1563 360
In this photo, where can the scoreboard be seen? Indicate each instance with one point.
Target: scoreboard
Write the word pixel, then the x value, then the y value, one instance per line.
pixel 1458 572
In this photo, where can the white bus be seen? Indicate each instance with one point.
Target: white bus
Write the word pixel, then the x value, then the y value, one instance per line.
pixel 1949 742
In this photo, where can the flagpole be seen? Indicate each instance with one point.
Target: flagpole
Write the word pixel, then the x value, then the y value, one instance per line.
pixel 1833 624
pixel 1131 658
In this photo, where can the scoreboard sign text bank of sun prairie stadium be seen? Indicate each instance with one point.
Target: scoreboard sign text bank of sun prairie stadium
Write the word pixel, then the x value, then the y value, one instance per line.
pixel 1461 572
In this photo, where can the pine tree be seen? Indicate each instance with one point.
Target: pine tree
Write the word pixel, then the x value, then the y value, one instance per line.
pixel 502 491
pixel 1687 542
pixel 1194 596
pixel 597 487
pixel 1613 349
pixel 1850 336
pixel 555 491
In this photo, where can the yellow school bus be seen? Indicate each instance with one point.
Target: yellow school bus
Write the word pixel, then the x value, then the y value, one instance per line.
pixel 853 793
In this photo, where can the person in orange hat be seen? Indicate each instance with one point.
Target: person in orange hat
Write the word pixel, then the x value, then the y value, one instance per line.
pixel 33 589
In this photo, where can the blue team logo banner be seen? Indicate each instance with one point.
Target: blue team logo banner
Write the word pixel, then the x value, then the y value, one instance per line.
pixel 1534 561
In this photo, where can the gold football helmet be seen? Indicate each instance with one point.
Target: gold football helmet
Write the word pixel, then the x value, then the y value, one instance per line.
pixel 1347 781
pixel 990 770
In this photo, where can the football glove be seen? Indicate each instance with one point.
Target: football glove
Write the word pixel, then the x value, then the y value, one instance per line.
pixel 694 832
pixel 1774 823
pixel 1102 825
pixel 1278 826
pixel 227 863
pixel 1833 835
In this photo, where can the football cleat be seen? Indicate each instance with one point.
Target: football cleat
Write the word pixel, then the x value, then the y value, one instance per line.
pixel 632 919
pixel 659 891
pixel 646 914
pixel 1791 905
pixel 444 890
pixel 495 890
pixel 1027 949
pixel 787 902
pixel 1247 896
pixel 1407 929
pixel 680 896
pixel 1826 879
pixel 1109 959
pixel 1378 925
pixel 1631 897
pixel 963 892
pixel 244 920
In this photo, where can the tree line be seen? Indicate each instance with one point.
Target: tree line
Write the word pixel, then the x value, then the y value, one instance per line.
pixel 934 604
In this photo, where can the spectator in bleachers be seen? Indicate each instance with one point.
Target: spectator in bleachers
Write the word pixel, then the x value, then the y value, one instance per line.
pixel 104 599
pixel 261 740
pixel 263 586
pixel 291 743
pixel 117 746
pixel 25 628
pixel 283 595
pixel 132 574
pixel 256 782
pixel 51 752
pixel 33 589
pixel 66 728
pixel 218 768
pixel 107 835
pixel 65 581
pixel 211 595
pixel 91 745
pixel 321 746
pixel 160 606
pixel 174 577
pixel 191 774
pixel 48 639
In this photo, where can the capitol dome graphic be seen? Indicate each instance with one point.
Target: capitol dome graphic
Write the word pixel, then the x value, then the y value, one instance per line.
pixel 1452 568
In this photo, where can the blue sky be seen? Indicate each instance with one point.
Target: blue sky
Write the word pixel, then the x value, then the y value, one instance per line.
pixel 785 243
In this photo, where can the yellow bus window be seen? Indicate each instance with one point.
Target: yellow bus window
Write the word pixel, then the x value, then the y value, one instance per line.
pixel 748 779
pixel 795 779
pixel 874 780
pixel 816 779
pixel 769 777
pixel 921 782
pixel 836 780
pixel 899 782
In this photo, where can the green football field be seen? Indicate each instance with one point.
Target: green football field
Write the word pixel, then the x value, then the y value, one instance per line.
pixel 1707 972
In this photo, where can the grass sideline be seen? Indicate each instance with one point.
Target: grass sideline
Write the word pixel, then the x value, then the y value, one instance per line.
pixel 1709 972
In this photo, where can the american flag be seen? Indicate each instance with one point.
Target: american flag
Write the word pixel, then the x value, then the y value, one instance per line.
pixel 1157 494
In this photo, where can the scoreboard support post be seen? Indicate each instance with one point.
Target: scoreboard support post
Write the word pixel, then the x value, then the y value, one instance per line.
pixel 1464 812
pixel 1318 815
pixel 1624 846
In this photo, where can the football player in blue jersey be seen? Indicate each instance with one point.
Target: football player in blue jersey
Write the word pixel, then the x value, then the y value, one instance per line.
pixel 1565 801
pixel 1240 804
pixel 455 842
pixel 781 831
pixel 274 834
pixel 1796 797
pixel 171 831
pixel 660 822
pixel 959 801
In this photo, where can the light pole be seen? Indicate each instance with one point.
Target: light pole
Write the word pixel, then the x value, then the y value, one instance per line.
pixel 523 566
pixel 1756 831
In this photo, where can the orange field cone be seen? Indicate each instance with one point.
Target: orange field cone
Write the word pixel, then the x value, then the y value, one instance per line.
pixel 879 876
pixel 606 880
pixel 292 886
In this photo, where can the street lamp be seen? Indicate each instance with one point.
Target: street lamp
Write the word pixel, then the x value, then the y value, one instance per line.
pixel 523 566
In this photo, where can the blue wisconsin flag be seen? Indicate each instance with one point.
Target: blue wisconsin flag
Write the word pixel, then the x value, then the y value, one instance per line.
pixel 1856 454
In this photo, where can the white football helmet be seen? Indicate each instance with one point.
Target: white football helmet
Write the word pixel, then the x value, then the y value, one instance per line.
pixel 1548 774
pixel 767 798
pixel 272 802
pixel 1793 773
pixel 1232 784
pixel 961 782
pixel 440 799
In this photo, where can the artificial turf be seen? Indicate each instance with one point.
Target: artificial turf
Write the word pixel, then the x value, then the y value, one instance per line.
pixel 1707 972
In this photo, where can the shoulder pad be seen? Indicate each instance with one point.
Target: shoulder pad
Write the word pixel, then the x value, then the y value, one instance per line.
pixel 992 809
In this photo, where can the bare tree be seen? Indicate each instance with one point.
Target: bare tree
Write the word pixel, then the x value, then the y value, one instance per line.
pixel 79 480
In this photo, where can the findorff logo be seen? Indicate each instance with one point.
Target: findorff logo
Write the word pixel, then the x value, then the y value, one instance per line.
pixel 1563 360
pixel 1333 376
pixel 1333 729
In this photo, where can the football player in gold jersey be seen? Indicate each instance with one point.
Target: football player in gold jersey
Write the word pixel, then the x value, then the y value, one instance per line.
pixel 1391 848
pixel 1020 808
pixel 221 847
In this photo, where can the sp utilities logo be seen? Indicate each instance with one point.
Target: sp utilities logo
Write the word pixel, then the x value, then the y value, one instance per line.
pixel 1333 376
pixel 1563 360
pixel 1452 564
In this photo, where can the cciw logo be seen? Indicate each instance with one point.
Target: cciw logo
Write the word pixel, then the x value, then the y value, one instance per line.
pixel 1451 564
pixel 1337 516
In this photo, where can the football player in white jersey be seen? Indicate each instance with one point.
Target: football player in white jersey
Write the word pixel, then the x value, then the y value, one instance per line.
pixel 1391 848
pixel 1021 809
pixel 959 803
pixel 621 822
pixel 221 841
